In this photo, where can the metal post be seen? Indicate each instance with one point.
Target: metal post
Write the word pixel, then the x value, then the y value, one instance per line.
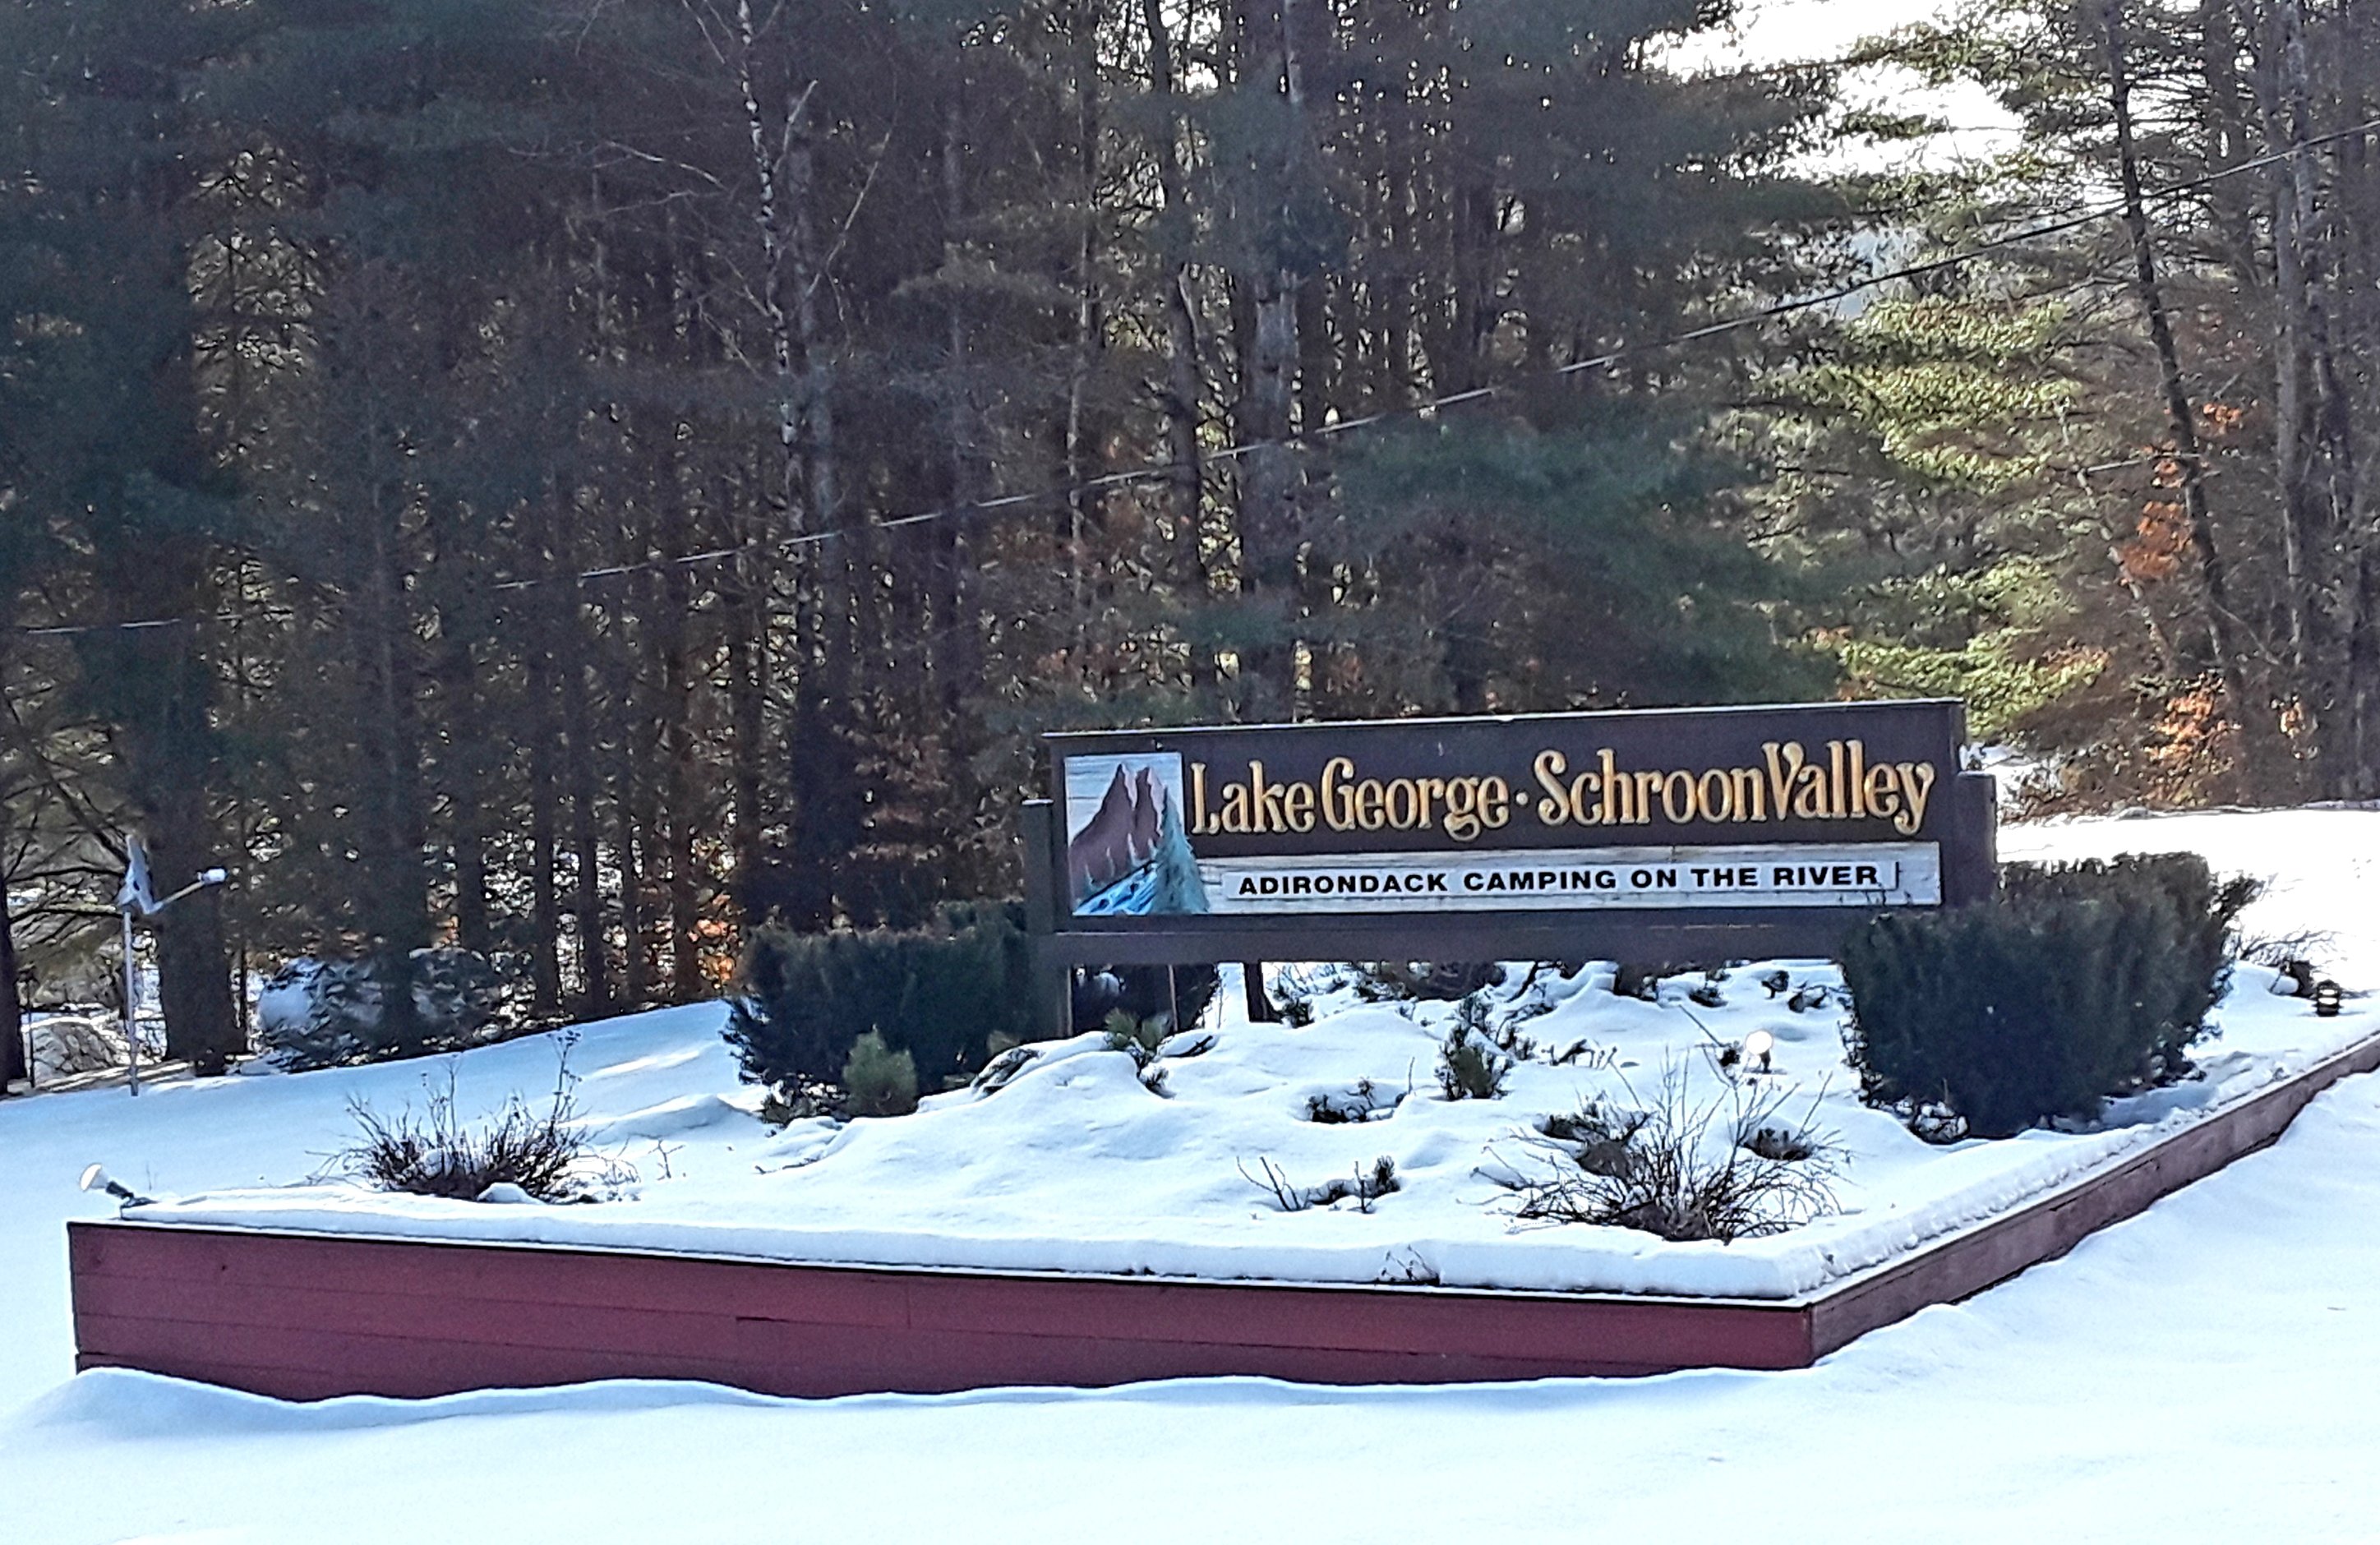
pixel 1260 1008
pixel 131 1008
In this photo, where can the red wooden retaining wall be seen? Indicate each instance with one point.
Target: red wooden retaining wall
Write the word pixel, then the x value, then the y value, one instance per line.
pixel 308 1316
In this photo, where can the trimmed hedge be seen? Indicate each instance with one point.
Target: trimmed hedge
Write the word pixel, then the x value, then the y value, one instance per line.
pixel 942 993
pixel 2207 919
pixel 2081 981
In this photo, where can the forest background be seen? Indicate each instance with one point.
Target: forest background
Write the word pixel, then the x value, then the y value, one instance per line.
pixel 565 479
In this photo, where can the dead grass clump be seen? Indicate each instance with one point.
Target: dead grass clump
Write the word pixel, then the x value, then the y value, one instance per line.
pixel 1364 1187
pixel 435 1153
pixel 1655 1169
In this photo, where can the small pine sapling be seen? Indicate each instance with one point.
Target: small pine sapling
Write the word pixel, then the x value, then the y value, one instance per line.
pixel 1139 1040
pixel 1470 1065
pixel 878 1081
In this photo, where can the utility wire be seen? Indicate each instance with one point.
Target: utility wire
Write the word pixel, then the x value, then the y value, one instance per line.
pixel 1129 476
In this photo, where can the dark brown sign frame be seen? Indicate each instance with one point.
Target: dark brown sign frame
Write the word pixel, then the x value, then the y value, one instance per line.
pixel 1445 804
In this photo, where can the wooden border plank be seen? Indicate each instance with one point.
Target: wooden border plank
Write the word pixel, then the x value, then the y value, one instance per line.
pixel 305 1316
pixel 2046 1228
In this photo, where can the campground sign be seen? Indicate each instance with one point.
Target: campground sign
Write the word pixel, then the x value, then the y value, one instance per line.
pixel 1653 835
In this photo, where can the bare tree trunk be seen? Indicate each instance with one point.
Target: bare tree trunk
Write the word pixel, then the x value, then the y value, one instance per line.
pixel 1183 387
pixel 2221 626
pixel 472 795
pixel 828 806
pixel 587 866
pixel 680 818
pixel 956 659
pixel 2346 772
pixel 545 688
pixel 1268 495
pixel 1082 504
pixel 194 986
pixel 633 819
pixel 744 612
pixel 13 1051
pixel 2304 542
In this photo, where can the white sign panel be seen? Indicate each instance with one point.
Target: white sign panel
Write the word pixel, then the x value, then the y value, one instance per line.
pixel 1792 874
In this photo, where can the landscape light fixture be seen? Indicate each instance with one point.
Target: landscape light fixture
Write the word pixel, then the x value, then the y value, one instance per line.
pixel 2326 1000
pixel 1760 1044
pixel 96 1178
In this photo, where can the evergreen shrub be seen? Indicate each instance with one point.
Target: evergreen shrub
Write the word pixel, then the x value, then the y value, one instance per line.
pixel 2080 982
pixel 1471 1065
pixel 880 1081
pixel 940 993
pixel 322 1012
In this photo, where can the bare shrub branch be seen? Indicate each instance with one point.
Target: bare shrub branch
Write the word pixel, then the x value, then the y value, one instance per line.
pixel 1656 1170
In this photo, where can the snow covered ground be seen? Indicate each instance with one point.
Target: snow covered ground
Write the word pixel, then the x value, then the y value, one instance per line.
pixel 2206 1371
pixel 1075 1165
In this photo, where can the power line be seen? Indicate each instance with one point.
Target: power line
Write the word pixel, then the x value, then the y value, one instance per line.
pixel 1152 472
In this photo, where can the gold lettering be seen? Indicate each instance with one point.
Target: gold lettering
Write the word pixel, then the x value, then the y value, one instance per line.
pixel 1371 805
pixel 1616 811
pixel 1462 808
pixel 1648 786
pixel 1858 781
pixel 1264 802
pixel 1750 794
pixel 1554 809
pixel 1495 802
pixel 1200 824
pixel 1917 781
pixel 1297 806
pixel 1580 810
pixel 1424 790
pixel 1784 770
pixel 1678 798
pixel 1719 805
pixel 1881 789
pixel 1338 799
pixel 1810 795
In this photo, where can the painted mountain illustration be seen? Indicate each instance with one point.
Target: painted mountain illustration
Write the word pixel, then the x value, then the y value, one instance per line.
pixel 1132 858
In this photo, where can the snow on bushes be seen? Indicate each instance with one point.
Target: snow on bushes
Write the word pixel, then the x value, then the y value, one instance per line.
pixel 941 994
pixel 322 1012
pixel 2081 981
pixel 62 1045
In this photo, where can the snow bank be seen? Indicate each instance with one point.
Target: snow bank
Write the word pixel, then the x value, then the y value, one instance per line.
pixel 1075 1166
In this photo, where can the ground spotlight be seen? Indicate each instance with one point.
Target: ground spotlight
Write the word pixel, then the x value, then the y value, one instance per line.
pixel 96 1178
